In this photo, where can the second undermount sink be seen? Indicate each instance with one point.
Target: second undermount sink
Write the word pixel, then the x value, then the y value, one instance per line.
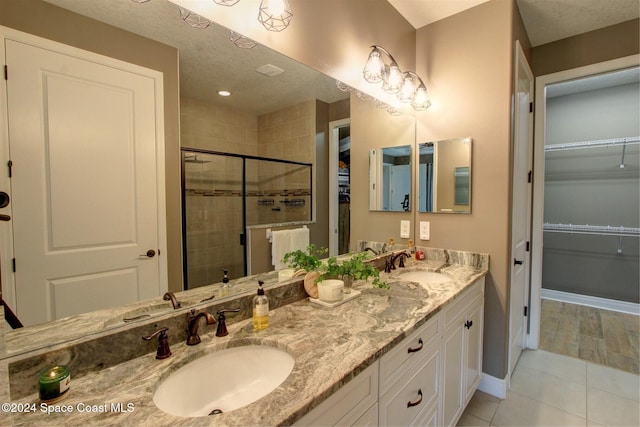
pixel 424 277
pixel 223 381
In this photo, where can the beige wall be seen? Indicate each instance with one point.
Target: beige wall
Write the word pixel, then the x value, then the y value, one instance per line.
pixel 616 41
pixel 466 60
pixel 51 22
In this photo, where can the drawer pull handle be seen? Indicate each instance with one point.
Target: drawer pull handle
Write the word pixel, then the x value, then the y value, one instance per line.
pixel 416 403
pixel 413 350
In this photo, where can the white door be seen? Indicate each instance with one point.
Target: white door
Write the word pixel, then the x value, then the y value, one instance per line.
pixel 521 208
pixel 84 184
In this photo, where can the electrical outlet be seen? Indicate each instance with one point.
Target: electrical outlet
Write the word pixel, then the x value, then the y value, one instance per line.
pixel 405 227
pixel 425 230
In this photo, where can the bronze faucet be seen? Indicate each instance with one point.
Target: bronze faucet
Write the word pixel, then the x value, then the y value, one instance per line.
pixel 222 324
pixel 370 250
pixel 402 256
pixel 174 302
pixel 192 325
pixel 163 343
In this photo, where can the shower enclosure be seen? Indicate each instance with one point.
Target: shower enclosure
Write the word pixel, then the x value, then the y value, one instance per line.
pixel 222 194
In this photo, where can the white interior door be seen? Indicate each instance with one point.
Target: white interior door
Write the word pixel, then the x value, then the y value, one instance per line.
pixel 85 200
pixel 521 208
pixel 334 190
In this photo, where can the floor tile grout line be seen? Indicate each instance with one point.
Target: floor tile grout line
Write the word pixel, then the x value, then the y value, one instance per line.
pixel 548 404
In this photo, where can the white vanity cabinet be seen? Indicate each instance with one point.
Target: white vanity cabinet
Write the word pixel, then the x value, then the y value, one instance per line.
pixel 461 351
pixel 355 404
pixel 409 380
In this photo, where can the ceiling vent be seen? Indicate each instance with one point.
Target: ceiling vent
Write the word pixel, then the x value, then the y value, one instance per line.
pixel 269 70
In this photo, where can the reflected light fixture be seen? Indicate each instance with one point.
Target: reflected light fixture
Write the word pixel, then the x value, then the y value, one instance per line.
pixel 407 86
pixel 226 2
pixel 193 19
pixel 275 15
pixel 241 41
pixel 224 93
pixel 140 1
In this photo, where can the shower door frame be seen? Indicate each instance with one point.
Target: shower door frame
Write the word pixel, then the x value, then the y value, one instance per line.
pixel 243 235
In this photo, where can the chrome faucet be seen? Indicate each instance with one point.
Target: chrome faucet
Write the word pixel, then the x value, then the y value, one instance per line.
pixel 174 302
pixel 193 321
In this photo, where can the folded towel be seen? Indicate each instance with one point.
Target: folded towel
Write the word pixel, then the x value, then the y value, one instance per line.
pixel 299 239
pixel 280 245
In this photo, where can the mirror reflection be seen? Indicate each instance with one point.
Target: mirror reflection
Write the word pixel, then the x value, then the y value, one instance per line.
pixel 444 176
pixel 204 126
pixel 390 179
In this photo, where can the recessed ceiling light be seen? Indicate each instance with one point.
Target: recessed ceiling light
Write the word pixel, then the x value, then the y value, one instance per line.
pixel 224 93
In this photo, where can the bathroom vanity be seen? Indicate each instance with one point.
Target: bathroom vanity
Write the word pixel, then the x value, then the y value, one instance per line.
pixel 410 354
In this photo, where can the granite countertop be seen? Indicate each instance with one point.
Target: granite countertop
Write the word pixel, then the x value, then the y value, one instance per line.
pixel 330 346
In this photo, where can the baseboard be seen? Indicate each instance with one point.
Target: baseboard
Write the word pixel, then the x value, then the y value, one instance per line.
pixel 597 302
pixel 494 386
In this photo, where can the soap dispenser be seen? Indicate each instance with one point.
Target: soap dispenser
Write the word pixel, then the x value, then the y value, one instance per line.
pixel 226 286
pixel 260 309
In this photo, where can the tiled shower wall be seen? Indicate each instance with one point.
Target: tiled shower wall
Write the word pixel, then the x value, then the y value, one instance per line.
pixel 214 220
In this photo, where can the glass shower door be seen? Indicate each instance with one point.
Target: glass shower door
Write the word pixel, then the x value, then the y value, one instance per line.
pixel 213 213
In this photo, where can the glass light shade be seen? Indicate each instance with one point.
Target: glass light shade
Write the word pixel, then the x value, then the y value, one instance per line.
pixel 194 19
pixel 421 99
pixel 408 89
pixel 374 69
pixel 392 79
pixel 275 15
pixel 241 41
pixel 226 2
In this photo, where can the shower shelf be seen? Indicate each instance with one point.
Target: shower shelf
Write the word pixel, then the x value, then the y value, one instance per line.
pixel 605 230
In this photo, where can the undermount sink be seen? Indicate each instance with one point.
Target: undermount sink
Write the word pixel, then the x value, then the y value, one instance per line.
pixel 424 277
pixel 223 381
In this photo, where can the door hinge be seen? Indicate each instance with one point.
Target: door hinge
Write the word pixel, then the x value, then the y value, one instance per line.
pixel 6 72
pixel 528 247
pixel 10 166
pixel 13 265
pixel 531 107
pixel 525 311
pixel 529 176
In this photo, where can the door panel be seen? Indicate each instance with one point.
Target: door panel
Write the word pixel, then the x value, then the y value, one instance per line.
pixel 82 138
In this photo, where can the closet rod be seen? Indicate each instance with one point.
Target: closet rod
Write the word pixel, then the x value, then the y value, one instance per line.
pixel 605 230
pixel 594 143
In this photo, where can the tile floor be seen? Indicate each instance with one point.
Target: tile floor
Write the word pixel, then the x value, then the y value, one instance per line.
pixel 592 334
pixel 549 389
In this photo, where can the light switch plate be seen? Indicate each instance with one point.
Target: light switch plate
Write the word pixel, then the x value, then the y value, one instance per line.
pixel 405 229
pixel 425 230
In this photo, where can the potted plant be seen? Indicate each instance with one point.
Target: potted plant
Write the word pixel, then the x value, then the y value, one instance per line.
pixel 306 262
pixel 350 269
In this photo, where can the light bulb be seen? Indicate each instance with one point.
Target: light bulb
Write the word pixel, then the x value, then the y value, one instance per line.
pixel 408 89
pixel 374 68
pixel 392 79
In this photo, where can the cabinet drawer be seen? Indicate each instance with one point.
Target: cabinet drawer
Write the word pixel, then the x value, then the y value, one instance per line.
pixel 413 396
pixel 457 307
pixel 348 404
pixel 397 361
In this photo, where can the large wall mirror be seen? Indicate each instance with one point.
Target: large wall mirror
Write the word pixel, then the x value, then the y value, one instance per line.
pixel 444 176
pixel 160 20
pixel 390 179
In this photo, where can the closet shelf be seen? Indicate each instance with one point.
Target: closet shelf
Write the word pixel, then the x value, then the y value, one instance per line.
pixel 605 230
pixel 593 144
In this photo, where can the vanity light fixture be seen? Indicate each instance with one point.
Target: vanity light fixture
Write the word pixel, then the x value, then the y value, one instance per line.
pixel 275 15
pixel 408 86
pixel 193 19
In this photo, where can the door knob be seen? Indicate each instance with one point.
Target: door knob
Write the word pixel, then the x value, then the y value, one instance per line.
pixel 150 254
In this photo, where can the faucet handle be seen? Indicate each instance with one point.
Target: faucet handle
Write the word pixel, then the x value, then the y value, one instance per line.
pixel 222 324
pixel 163 343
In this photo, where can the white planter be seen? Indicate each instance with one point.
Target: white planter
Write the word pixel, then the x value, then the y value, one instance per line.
pixel 330 290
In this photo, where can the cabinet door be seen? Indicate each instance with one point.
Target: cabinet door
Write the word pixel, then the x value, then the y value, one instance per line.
pixel 453 357
pixel 348 404
pixel 473 353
